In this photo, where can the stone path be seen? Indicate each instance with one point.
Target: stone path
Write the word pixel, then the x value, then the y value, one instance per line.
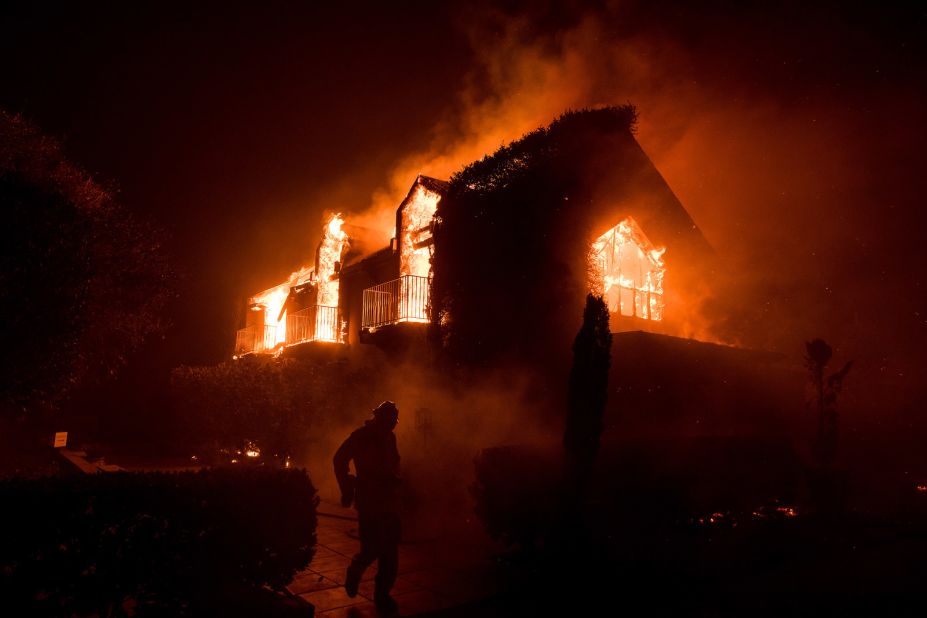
pixel 433 575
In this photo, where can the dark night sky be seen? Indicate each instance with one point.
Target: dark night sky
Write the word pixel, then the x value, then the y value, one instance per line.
pixel 793 133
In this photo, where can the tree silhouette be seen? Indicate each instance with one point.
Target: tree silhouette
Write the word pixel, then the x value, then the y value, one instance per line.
pixel 817 356
pixel 586 397
pixel 588 387
pixel 82 282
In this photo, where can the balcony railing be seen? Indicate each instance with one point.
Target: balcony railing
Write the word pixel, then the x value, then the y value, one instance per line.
pixel 402 300
pixel 254 339
pixel 316 323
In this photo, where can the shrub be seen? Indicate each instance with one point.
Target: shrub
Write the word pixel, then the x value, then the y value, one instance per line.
pixel 285 406
pixel 167 543
pixel 84 281
pixel 516 494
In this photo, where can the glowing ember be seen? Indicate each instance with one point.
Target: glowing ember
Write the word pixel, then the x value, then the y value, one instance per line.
pixel 628 272
pixel 922 488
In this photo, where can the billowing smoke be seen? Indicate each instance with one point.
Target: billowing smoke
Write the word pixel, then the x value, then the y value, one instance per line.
pixel 790 148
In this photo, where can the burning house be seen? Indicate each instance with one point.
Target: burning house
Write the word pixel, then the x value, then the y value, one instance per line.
pixel 493 268
pixel 302 309
pixel 524 235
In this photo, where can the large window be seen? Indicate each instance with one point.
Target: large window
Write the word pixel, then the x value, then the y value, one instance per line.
pixel 628 272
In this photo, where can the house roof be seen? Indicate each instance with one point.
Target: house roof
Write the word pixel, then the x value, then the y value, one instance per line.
pixel 432 184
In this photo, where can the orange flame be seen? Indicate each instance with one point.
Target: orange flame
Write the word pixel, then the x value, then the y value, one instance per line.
pixel 272 300
pixel 628 271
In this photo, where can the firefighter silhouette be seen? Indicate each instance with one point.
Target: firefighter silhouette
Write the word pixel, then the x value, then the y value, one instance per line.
pixel 375 494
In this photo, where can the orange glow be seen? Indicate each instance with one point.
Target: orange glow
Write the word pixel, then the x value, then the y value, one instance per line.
pixel 323 276
pixel 415 248
pixel 272 301
pixel 627 270
pixel 334 242
pixel 415 240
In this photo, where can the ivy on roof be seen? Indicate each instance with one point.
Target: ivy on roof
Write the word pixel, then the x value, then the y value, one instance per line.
pixel 498 170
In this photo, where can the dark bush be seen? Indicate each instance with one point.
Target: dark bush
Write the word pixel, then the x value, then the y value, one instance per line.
pixel 285 406
pixel 83 280
pixel 169 544
pixel 516 493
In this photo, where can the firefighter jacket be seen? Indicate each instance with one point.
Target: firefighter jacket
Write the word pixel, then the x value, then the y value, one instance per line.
pixel 376 460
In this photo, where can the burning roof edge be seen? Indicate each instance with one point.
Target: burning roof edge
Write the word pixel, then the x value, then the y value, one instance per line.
pixel 432 184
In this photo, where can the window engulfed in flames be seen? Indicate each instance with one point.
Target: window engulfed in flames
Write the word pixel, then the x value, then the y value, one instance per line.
pixel 415 239
pixel 628 272
pixel 330 251
pixel 415 249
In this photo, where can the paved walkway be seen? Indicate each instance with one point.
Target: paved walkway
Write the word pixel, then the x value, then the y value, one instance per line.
pixel 433 574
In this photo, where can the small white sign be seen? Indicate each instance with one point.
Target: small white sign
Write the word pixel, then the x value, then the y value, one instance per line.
pixel 61 439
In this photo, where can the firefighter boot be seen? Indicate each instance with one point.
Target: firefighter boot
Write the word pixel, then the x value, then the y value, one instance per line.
pixel 352 578
pixel 385 603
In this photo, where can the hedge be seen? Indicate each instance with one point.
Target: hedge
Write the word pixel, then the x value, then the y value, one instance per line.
pixel 516 494
pixel 163 544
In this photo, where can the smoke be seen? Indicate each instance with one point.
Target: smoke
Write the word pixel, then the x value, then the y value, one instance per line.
pixel 781 168
pixel 790 135
pixel 445 419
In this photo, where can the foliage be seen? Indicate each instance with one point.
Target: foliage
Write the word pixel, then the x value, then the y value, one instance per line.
pixel 516 494
pixel 528 209
pixel 588 389
pixel 83 281
pixel 281 404
pixel 167 542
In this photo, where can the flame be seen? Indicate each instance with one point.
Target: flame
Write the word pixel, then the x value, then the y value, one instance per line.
pixel 334 242
pixel 415 246
pixel 415 250
pixel 272 300
pixel 628 271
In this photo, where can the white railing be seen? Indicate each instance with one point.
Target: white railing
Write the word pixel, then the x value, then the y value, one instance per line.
pixel 254 339
pixel 316 323
pixel 401 300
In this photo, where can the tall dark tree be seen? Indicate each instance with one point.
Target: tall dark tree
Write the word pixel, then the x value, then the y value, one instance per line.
pixel 588 390
pixel 817 356
pixel 82 282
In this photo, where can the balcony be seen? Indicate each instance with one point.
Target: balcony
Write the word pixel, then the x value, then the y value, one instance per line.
pixel 316 323
pixel 402 300
pixel 254 339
